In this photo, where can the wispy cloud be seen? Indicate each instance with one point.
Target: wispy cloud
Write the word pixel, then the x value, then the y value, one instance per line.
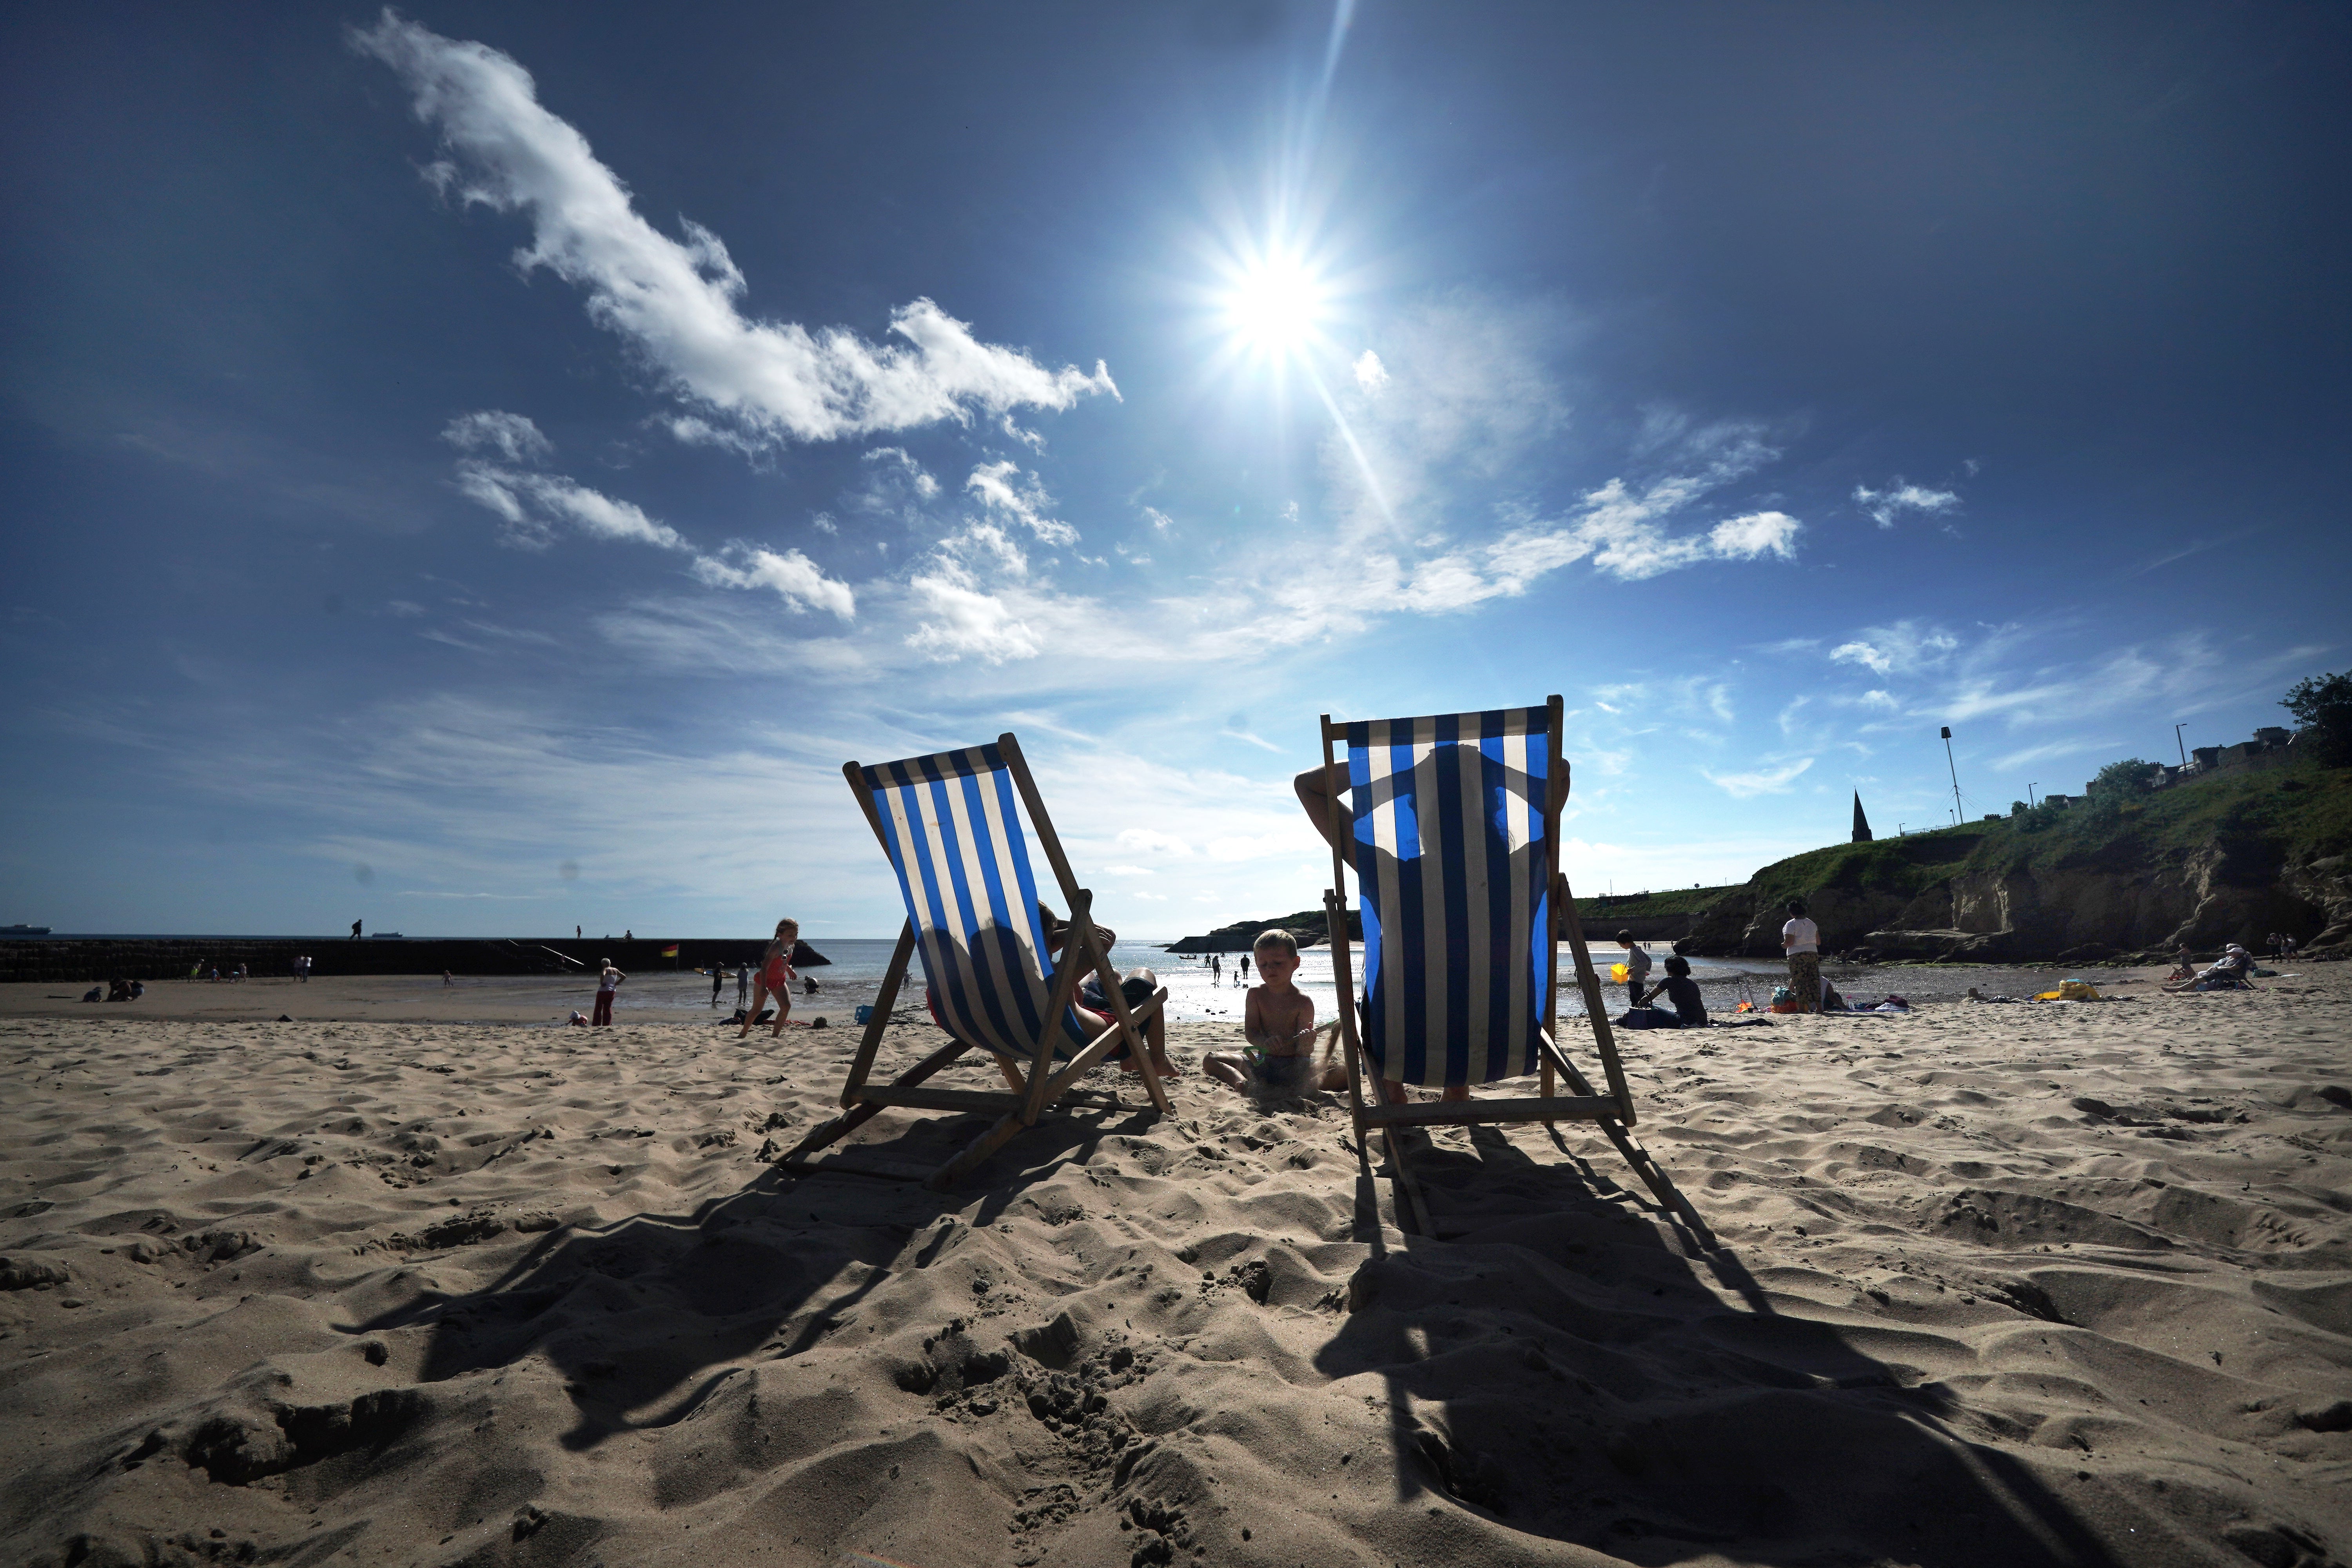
pixel 532 502
pixel 1905 646
pixel 1885 505
pixel 1762 781
pixel 1010 496
pixel 676 301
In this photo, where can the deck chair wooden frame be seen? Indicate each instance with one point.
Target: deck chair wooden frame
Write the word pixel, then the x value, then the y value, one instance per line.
pixel 1613 1112
pixel 1040 1086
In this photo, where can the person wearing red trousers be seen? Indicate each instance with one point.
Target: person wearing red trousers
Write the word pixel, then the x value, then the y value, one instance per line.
pixel 607 981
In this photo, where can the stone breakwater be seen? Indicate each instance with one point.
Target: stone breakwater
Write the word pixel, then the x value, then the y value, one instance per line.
pixel 91 959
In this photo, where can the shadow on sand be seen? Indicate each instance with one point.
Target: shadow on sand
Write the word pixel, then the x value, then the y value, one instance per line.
pixel 1573 1362
pixel 1568 1362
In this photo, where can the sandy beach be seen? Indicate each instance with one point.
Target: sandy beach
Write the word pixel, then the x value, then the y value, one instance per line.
pixel 2064 1284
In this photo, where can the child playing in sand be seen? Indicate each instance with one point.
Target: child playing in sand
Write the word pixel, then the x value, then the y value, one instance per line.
pixel 1637 967
pixel 1279 1021
pixel 774 981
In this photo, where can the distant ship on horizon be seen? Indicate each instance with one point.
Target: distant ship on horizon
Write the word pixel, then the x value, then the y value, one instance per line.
pixel 24 931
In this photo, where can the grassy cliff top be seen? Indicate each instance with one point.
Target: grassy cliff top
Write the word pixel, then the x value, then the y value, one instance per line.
pixel 1671 901
pixel 2298 812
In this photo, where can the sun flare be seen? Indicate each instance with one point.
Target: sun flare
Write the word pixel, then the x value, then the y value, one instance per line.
pixel 1276 304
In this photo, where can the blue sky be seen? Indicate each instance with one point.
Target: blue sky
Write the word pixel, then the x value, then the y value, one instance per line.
pixel 482 469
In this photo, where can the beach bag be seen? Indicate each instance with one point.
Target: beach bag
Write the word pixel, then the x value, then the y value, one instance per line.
pixel 1783 1000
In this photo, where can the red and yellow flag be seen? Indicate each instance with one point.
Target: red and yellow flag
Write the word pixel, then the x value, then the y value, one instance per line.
pixel 670 951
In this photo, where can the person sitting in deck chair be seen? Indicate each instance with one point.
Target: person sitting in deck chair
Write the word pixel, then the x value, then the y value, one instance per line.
pixel 2227 972
pixel 1094 1008
pixel 1315 798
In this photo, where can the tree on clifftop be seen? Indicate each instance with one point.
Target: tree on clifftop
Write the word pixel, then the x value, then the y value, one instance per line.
pixel 2123 781
pixel 2322 706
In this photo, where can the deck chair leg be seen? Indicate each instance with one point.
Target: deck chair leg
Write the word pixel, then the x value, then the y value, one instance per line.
pixel 1652 1174
pixel 856 1116
pixel 980 1149
pixel 879 1019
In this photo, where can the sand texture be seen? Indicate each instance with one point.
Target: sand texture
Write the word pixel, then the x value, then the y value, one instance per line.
pixel 1995 1284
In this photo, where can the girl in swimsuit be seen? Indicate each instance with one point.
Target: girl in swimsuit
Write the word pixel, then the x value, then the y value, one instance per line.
pixel 774 981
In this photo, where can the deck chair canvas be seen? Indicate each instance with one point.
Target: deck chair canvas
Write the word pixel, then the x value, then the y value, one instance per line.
pixel 1454 842
pixel 948 825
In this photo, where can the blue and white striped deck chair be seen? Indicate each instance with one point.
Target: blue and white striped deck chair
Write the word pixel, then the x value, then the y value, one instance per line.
pixel 949 823
pixel 1452 831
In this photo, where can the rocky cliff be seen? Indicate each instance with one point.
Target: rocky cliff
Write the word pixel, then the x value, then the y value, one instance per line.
pixel 2232 859
pixel 1306 925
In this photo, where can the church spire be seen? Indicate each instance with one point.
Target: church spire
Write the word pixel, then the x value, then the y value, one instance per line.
pixel 1860 823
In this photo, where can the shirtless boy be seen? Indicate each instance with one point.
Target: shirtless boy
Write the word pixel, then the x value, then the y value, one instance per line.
pixel 1279 1021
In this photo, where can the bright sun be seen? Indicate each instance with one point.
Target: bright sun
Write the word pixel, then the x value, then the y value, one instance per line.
pixel 1276 304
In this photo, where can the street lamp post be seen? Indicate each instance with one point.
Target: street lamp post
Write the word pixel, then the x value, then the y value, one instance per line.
pixel 2029 796
pixel 1955 773
pixel 2178 742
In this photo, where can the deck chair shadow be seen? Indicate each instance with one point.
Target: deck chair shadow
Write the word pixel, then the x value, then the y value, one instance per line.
pixel 948 825
pixel 1454 834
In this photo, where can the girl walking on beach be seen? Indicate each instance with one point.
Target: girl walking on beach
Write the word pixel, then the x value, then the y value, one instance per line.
pixel 774 981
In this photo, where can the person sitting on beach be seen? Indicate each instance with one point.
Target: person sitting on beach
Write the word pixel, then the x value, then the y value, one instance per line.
pixel 579 1019
pixel 2184 967
pixel 1680 990
pixel 1637 967
pixel 1278 1020
pixel 2225 972
pixel 774 981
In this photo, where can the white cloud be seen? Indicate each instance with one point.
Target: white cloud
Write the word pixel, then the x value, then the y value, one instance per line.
pixel 1885 506
pixel 791 575
pixel 962 619
pixel 1861 652
pixel 1129 871
pixel 1370 374
pixel 515 437
pixel 1158 519
pixel 675 301
pixel 596 514
pixel 1905 645
pixel 532 503
pixel 897 464
pixel 1764 781
pixel 1756 533
pixel 1001 490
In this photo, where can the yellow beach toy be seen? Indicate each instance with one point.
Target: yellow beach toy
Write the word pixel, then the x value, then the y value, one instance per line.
pixel 1618 972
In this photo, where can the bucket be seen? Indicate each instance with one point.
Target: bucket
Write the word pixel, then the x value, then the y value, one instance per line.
pixel 865 1014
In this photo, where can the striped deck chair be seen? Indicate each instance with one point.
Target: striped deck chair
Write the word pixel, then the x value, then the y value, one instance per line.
pixel 948 824
pixel 1454 831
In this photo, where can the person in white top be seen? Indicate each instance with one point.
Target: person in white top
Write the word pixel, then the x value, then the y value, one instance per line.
pixel 608 980
pixel 1801 939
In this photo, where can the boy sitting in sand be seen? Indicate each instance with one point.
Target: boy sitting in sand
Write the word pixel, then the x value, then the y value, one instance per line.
pixel 1279 1021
